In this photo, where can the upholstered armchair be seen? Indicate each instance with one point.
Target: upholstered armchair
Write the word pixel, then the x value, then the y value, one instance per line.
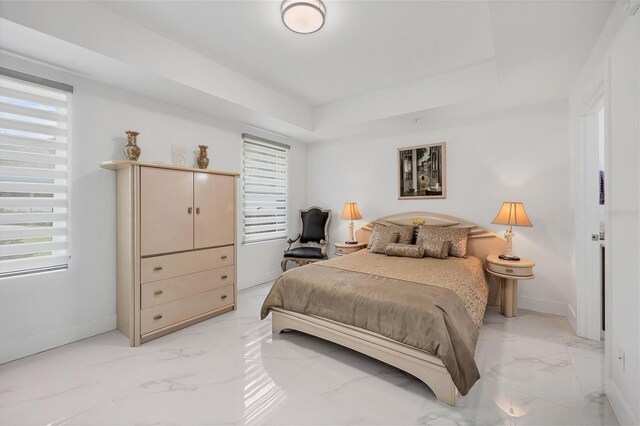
pixel 314 238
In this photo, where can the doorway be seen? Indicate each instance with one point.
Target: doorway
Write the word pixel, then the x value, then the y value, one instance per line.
pixel 593 220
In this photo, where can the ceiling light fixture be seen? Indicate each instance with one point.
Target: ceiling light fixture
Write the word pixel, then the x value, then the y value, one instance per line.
pixel 303 16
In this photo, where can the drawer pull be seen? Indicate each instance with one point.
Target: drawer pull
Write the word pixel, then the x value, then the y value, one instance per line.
pixel 224 277
pixel 157 317
pixel 224 296
pixel 223 257
pixel 510 270
pixel 157 292
pixel 190 210
pixel 157 268
pixel 197 210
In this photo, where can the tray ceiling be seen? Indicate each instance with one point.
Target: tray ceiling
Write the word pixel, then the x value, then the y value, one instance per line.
pixel 374 62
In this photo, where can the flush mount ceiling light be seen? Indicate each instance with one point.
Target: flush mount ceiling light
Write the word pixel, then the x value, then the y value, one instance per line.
pixel 303 16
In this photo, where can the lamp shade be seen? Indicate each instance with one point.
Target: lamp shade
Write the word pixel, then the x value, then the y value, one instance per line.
pixel 512 214
pixel 351 212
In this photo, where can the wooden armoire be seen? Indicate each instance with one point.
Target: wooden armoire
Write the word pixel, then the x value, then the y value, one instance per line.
pixel 176 246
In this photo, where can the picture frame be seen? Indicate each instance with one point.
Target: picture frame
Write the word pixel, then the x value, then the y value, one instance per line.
pixel 422 172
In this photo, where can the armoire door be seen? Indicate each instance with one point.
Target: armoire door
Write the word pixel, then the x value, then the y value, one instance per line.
pixel 214 202
pixel 166 211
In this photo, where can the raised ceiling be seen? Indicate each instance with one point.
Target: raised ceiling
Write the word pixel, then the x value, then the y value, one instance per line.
pixel 374 61
pixel 363 46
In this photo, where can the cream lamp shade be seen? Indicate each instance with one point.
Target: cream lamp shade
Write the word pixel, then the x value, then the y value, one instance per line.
pixel 351 213
pixel 511 213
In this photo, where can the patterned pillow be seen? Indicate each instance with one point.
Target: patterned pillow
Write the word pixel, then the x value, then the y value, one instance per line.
pixel 405 232
pixel 404 250
pixel 436 248
pixel 381 236
pixel 457 238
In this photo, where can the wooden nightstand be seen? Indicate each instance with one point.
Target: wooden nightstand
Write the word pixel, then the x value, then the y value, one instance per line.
pixel 509 272
pixel 342 248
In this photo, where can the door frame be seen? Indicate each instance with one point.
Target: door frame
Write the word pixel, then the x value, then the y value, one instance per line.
pixel 588 299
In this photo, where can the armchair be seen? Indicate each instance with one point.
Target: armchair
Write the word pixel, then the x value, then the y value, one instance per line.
pixel 314 238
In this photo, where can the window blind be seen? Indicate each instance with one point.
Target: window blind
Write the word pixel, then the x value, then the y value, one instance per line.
pixel 264 190
pixel 34 140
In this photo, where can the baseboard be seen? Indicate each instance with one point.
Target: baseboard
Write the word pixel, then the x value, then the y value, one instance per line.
pixel 543 305
pixel 619 404
pixel 254 280
pixel 42 342
pixel 572 317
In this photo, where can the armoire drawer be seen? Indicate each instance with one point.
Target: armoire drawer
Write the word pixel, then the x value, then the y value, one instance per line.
pixel 173 265
pixel 163 291
pixel 167 314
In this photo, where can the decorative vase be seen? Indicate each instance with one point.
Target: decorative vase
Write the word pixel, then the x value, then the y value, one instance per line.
pixel 132 150
pixel 203 160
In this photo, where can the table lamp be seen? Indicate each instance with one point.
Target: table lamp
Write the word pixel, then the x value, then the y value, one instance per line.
pixel 512 214
pixel 351 212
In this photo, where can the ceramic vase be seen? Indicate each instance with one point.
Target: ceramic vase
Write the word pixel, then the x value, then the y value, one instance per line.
pixel 132 150
pixel 203 160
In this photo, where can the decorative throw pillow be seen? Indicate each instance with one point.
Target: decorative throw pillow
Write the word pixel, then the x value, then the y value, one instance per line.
pixel 457 238
pixel 436 248
pixel 404 250
pixel 405 233
pixel 381 236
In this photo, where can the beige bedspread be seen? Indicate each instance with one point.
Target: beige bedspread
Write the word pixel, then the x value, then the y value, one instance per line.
pixel 431 304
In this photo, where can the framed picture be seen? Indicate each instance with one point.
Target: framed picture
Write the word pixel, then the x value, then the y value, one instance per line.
pixel 422 172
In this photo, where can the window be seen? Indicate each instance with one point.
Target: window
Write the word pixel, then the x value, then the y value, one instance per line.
pixel 34 144
pixel 264 189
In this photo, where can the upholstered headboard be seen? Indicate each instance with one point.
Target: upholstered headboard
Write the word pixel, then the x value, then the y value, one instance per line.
pixel 480 244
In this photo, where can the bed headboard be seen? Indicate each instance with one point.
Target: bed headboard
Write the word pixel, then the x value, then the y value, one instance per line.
pixel 480 244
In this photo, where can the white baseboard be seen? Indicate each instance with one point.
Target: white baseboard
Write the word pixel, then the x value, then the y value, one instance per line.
pixel 42 342
pixel 254 280
pixel 620 407
pixel 543 305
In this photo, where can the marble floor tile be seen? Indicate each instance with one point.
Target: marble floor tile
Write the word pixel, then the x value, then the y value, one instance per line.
pixel 105 414
pixel 550 377
pixel 493 404
pixel 362 388
pixel 45 388
pixel 585 347
pixel 257 399
pixel 232 370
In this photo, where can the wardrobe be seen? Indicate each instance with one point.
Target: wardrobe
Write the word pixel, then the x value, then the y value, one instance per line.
pixel 176 246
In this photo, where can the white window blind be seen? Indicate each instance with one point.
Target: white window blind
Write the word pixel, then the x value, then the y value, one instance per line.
pixel 264 190
pixel 34 140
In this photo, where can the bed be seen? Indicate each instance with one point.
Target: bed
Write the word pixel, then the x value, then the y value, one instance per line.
pixel 419 315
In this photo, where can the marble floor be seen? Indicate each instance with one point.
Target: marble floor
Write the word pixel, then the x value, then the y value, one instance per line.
pixel 232 370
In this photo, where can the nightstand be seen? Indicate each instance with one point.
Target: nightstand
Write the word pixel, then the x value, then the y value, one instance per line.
pixel 342 248
pixel 509 272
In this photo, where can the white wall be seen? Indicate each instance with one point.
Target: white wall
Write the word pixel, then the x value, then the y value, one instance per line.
pixel 615 62
pixel 519 154
pixel 41 311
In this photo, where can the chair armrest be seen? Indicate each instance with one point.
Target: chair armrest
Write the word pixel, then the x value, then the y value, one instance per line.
pixel 324 245
pixel 291 241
